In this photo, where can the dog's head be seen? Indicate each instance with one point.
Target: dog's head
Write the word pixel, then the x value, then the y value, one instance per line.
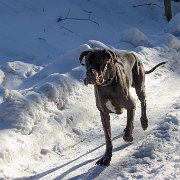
pixel 100 66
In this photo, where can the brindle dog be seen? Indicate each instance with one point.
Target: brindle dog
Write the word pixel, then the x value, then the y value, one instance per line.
pixel 112 74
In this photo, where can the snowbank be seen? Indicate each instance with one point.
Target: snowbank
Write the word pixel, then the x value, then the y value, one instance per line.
pixel 16 72
pixel 65 64
pixel 20 68
pixel 94 44
pixel 135 37
pixel 50 102
pixel 168 40
pixel 173 26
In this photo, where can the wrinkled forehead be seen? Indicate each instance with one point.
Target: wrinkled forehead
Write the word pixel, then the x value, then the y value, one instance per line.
pixel 96 56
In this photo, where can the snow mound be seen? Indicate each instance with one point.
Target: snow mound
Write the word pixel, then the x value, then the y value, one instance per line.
pixel 168 40
pixel 65 64
pixel 168 126
pixel 19 112
pixel 15 72
pixel 53 91
pixel 173 26
pixel 135 37
pixel 20 68
pixel 47 108
pixel 146 150
pixel 58 91
pixel 57 88
pixel 94 44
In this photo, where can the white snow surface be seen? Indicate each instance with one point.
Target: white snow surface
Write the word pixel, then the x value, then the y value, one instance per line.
pixel 135 37
pixel 50 127
pixel 173 26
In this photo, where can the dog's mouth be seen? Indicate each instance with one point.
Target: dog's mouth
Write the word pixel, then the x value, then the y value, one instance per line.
pixel 98 80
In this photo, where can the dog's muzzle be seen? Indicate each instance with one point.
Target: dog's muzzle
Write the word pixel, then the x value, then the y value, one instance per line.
pixel 92 77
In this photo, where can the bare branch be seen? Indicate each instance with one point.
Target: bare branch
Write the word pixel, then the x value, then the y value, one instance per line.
pixel 68 13
pixel 76 19
pixel 80 19
pixel 89 12
pixel 66 29
pixel 148 4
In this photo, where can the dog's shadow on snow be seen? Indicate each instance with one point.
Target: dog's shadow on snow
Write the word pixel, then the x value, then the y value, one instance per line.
pixel 95 171
pixel 92 173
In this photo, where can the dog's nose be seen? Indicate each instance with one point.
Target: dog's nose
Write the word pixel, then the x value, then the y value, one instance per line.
pixel 90 73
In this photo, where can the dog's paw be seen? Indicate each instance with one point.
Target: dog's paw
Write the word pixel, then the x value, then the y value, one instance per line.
pixel 144 123
pixel 104 161
pixel 128 138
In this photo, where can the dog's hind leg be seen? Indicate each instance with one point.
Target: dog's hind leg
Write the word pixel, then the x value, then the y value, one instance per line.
pixel 144 120
pixel 139 84
pixel 105 160
pixel 130 107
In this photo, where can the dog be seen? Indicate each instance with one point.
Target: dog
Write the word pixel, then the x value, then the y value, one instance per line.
pixel 112 74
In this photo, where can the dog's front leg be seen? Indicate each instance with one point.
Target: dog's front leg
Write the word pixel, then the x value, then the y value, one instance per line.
pixel 105 160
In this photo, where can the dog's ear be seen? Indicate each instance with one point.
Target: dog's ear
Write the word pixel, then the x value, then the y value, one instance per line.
pixel 112 55
pixel 84 53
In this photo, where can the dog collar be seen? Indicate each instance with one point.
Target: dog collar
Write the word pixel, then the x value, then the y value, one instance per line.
pixel 110 80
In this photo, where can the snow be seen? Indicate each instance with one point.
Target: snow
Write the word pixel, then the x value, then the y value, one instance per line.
pixel 168 40
pixel 135 37
pixel 1 76
pixel 50 127
pixel 173 26
pixel 15 72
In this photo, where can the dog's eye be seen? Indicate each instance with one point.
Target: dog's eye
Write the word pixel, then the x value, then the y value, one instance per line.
pixel 87 62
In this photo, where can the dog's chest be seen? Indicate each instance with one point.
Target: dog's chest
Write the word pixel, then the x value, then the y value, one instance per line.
pixel 113 107
pixel 110 106
pixel 109 99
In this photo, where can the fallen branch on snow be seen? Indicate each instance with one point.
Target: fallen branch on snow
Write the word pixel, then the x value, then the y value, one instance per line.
pixel 148 4
pixel 76 19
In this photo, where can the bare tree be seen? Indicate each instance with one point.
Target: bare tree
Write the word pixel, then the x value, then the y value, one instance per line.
pixel 168 12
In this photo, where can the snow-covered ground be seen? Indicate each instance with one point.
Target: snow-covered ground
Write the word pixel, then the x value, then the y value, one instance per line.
pixel 49 125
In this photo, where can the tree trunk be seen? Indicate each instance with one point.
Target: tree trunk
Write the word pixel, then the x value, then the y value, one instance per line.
pixel 167 6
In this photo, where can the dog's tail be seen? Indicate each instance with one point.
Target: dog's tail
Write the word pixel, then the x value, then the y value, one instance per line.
pixel 151 70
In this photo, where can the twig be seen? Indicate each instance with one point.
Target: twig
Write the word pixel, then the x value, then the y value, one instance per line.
pixel 42 39
pixel 68 13
pixel 76 19
pixel 148 4
pixel 66 29
pixel 89 12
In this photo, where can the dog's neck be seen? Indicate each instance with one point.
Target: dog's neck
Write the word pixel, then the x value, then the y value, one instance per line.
pixel 110 80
